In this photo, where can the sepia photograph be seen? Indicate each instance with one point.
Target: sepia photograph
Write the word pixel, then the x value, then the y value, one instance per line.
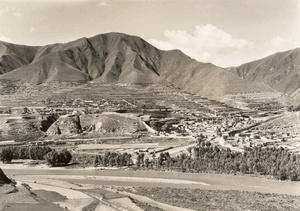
pixel 149 105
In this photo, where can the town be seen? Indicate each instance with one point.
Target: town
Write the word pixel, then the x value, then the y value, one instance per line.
pixel 140 113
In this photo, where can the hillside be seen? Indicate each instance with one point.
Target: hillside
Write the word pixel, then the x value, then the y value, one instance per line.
pixel 118 58
pixel 287 123
pixel 281 71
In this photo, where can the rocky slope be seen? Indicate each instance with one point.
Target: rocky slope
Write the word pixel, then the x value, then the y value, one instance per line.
pixel 3 178
pixel 118 58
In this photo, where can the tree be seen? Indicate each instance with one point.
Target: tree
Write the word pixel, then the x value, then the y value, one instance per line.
pixel 96 161
pixel 201 139
pixel 142 156
pixel 189 149
pixel 138 160
pixel 6 155
pixel 147 162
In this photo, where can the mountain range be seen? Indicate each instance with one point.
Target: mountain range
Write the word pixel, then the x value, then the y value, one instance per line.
pixel 121 58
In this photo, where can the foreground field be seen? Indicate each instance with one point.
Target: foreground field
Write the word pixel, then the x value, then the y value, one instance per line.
pixel 198 199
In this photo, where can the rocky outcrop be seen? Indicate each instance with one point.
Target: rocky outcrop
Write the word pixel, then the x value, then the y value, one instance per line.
pixel 65 125
pixel 3 178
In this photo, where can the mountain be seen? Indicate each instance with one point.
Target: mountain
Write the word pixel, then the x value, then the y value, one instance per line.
pixel 203 78
pixel 281 71
pixel 118 58
pixel 14 56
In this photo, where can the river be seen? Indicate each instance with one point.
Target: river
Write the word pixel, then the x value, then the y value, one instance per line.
pixel 215 181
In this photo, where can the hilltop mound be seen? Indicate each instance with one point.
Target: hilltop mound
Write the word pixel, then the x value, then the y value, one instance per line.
pixel 3 178
pixel 113 123
pixel 119 58
pixel 65 125
pixel 281 71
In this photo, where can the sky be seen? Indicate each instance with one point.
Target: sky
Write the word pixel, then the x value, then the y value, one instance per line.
pixel 223 32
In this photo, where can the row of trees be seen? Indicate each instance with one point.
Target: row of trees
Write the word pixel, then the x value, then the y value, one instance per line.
pixel 113 159
pixel 10 153
pixel 277 162
pixel 52 157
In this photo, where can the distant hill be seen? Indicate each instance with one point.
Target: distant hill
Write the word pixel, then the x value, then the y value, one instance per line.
pixel 118 58
pixel 281 71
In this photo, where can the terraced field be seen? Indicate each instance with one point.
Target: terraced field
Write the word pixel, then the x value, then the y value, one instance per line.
pixel 142 95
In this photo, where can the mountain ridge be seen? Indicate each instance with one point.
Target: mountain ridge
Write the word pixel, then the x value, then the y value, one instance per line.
pixel 119 58
pixel 281 71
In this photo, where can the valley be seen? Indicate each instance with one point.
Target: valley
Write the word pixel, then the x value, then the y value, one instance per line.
pixel 89 124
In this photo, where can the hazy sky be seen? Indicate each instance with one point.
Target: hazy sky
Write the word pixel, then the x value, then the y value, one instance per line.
pixel 223 32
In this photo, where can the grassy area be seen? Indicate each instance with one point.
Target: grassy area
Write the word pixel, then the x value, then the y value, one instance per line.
pixel 92 206
pixel 107 195
pixel 198 199
pixel 145 206
pixel 23 199
pixel 21 195
pixel 7 188
pixel 49 195
pixel 45 206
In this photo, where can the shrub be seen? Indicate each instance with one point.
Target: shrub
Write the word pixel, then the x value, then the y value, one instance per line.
pixel 58 158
